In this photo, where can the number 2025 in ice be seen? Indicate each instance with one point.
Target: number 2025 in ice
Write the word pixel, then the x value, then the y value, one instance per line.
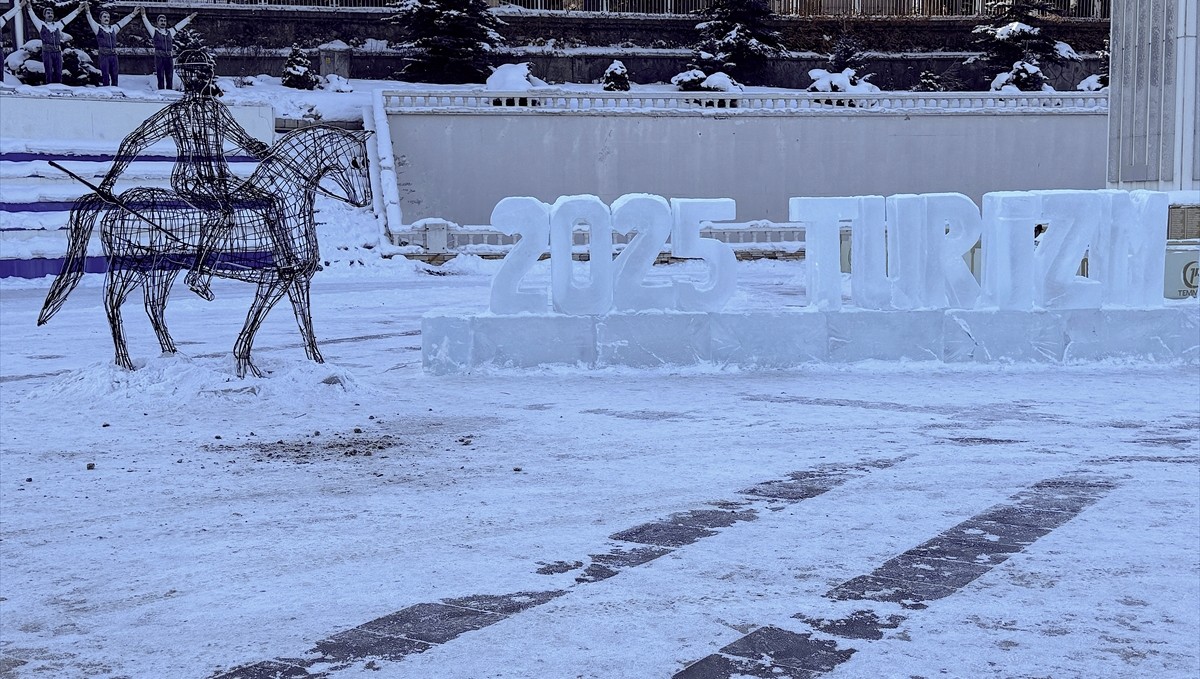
pixel 612 283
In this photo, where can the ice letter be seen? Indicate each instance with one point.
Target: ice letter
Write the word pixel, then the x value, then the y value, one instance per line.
pixel 1070 218
pixel 914 253
pixel 1127 256
pixel 587 213
pixel 1147 212
pixel 650 217
pixel 530 218
pixel 869 282
pixel 1009 218
pixel 963 225
pixel 822 219
pixel 689 214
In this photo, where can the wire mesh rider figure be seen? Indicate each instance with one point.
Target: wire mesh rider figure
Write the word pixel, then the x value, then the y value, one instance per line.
pixel 199 124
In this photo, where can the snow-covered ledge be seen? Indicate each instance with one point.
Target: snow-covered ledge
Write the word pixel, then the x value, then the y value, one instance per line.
pixel 387 205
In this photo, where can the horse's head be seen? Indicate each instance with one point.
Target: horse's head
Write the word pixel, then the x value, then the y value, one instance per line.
pixel 351 170
pixel 329 157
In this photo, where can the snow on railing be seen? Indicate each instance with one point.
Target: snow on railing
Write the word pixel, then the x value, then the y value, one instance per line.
pixel 389 199
pixel 553 100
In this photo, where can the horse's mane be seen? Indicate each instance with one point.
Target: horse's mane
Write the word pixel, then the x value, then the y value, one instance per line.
pixel 320 135
pixel 301 135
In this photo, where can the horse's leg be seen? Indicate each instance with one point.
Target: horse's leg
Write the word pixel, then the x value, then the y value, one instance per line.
pixel 157 288
pixel 269 292
pixel 117 286
pixel 301 305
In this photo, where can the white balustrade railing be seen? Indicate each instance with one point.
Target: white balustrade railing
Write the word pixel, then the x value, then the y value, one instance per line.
pixel 1091 9
pixel 553 100
pixel 439 237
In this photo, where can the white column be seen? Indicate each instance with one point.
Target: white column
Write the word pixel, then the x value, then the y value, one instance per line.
pixel 19 28
pixel 1154 97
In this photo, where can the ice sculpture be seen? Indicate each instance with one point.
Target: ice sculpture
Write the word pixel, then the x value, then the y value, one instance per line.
pixel 571 295
pixel 869 281
pixel 1070 219
pixel 530 218
pixel 963 225
pixel 1009 219
pixel 909 251
pixel 689 216
pixel 1127 253
pixel 927 237
pixel 822 218
pixel 649 216
pixel 914 254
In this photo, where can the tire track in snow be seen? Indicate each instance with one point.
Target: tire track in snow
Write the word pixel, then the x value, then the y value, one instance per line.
pixel 422 626
pixel 933 570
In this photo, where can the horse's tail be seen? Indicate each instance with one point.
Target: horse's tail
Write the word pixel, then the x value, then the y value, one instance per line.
pixel 84 214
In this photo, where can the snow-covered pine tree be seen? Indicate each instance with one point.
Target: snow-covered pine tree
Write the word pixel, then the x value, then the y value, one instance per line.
pixel 1105 62
pixel 616 78
pixel 735 38
pixel 1097 81
pixel 847 53
pixel 1017 43
pixel 846 59
pixel 929 82
pixel 450 40
pixel 297 70
pixel 78 69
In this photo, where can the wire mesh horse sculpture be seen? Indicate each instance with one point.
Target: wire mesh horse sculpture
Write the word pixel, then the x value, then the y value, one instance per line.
pixel 149 235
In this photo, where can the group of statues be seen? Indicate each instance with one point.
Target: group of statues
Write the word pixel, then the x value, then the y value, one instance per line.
pixel 50 31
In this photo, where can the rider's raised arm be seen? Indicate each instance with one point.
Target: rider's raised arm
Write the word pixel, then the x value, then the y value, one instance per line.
pixel 92 22
pixel 156 128
pixel 239 136
pixel 149 26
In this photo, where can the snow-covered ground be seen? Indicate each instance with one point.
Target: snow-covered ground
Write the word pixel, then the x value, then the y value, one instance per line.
pixel 175 521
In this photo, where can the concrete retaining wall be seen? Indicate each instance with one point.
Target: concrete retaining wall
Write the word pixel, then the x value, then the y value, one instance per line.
pixel 457 166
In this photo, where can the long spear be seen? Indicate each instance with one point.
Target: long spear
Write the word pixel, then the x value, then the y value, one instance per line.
pixel 108 197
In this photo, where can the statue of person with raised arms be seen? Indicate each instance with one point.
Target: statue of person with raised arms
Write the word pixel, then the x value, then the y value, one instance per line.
pixel 106 41
pixel 51 33
pixel 164 46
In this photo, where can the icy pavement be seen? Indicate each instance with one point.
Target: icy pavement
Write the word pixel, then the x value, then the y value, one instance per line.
pixel 363 519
